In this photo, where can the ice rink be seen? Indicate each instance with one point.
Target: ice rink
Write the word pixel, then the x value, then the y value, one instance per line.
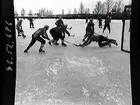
pixel 72 75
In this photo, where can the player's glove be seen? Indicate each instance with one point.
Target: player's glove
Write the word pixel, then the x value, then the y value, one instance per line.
pixel 83 40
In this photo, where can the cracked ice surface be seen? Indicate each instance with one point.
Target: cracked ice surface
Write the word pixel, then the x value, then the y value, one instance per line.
pixel 72 76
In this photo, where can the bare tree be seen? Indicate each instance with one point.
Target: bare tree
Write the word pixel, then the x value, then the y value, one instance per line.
pixel 30 13
pixel 87 11
pixel 98 7
pixel 118 6
pixel 15 13
pixel 23 13
pixel 50 12
pixel 75 11
pixel 69 12
pixel 44 12
pixel 109 4
pixel 103 8
pixel 81 9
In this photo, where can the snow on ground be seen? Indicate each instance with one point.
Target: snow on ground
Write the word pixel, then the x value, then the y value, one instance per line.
pixel 72 75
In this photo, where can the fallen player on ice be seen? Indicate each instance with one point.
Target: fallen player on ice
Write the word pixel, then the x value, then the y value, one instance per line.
pixel 100 39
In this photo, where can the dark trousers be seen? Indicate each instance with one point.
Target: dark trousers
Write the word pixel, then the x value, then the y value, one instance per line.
pixel 103 41
pixel 56 35
pixel 31 25
pixel 107 26
pixel 41 40
pixel 100 24
pixel 19 30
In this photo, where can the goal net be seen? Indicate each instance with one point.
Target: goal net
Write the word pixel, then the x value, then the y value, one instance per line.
pixel 125 45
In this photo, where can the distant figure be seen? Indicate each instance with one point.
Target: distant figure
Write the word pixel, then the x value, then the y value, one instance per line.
pixel 19 29
pixel 100 22
pixel 90 27
pixel 38 36
pixel 31 22
pixel 17 19
pixel 107 23
pixel 86 19
pixel 59 22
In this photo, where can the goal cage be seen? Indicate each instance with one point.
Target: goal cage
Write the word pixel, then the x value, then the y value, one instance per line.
pixel 125 41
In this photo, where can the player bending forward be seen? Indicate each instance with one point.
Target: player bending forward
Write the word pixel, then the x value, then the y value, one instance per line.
pixel 56 33
pixel 19 29
pixel 38 36
pixel 101 40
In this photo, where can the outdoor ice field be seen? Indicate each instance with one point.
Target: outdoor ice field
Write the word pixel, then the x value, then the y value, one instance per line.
pixel 72 75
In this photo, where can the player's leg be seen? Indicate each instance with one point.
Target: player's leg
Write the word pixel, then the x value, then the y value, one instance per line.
pixel 101 25
pixel 22 33
pixel 42 41
pixel 33 25
pixel 113 41
pixel 103 41
pixel 30 45
pixel 108 26
pixel 103 44
pixel 18 31
pixel 30 25
pixel 104 28
pixel 87 42
pixel 62 40
pixel 54 36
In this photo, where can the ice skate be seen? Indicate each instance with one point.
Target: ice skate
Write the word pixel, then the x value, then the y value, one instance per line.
pixel 63 44
pixel 41 51
pixel 49 43
pixel 24 36
pixel 25 51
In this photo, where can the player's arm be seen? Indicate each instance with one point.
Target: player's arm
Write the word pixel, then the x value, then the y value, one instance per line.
pixel 67 32
pixel 62 23
pixel 56 23
pixel 45 35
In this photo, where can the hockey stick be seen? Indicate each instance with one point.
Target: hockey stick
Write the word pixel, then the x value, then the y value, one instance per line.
pixel 72 35
pixel 96 33
pixel 71 43
pixel 69 28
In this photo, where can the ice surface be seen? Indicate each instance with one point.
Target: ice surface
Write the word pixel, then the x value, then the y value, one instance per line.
pixel 72 75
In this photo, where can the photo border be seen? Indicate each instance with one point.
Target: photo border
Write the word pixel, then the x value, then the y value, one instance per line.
pixel 8 53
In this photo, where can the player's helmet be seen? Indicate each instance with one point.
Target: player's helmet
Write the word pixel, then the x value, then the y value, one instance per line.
pixel 46 26
pixel 91 19
pixel 60 17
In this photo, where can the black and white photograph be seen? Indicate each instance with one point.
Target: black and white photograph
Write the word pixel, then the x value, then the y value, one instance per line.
pixel 71 52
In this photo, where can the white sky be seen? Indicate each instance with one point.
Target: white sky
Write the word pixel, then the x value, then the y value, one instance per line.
pixel 55 5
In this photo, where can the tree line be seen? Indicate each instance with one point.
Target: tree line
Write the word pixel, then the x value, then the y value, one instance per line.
pixel 109 6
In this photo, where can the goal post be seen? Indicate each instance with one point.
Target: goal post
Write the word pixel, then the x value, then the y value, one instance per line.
pixel 125 40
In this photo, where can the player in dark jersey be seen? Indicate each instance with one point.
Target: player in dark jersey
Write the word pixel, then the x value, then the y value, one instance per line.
pixel 19 29
pixel 56 33
pixel 90 28
pixel 38 36
pixel 102 41
pixel 86 19
pixel 107 23
pixel 100 22
pixel 31 22
pixel 59 22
